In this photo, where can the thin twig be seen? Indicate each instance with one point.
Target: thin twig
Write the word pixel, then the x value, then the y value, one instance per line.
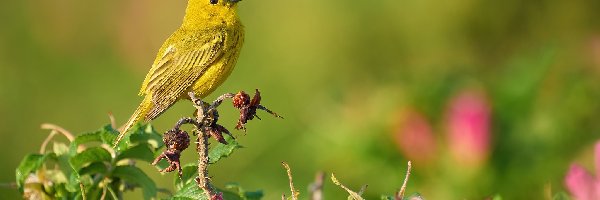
pixel 362 189
pixel 400 195
pixel 353 194
pixel 316 188
pixel 295 192
pixel 103 196
pixel 113 122
pixel 59 129
pixel 82 191
pixel 47 140
pixel 203 180
pixel 8 185
pixel 217 102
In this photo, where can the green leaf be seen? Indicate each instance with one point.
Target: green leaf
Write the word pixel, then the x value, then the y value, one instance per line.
pixel 136 175
pixel 189 173
pixel 146 134
pixel 93 168
pixel 73 185
pixel 253 195
pixel 105 135
pixel 56 176
pixel 561 196
pixel 60 148
pixel 191 191
pixel 223 150
pixel 28 165
pixel 139 152
pixel 90 155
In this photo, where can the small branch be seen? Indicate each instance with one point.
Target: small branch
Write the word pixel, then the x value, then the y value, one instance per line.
pixel 353 194
pixel 186 120
pixel 47 140
pixel 217 102
pixel 400 195
pixel 295 192
pixel 316 188
pixel 59 129
pixel 203 178
pixel 113 122
pixel 206 125
pixel 362 189
pixel 103 196
pixel 8 185
pixel 82 191
pixel 261 107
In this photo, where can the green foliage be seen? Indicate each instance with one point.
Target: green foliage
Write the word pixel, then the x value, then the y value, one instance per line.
pixel 93 168
pixel 90 166
pixel 561 196
pixel 223 150
pixel 188 189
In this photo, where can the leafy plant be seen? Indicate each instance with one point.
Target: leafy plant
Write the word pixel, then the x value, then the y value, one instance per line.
pixel 92 167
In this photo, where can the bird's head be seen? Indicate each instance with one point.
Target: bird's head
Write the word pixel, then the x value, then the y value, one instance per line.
pixel 224 2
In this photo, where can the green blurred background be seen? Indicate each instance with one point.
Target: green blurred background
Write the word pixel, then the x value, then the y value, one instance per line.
pixel 342 73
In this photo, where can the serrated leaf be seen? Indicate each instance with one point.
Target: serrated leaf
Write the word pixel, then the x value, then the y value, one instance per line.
pixel 136 175
pixel 245 195
pixel 90 155
pixel 105 135
pixel 191 191
pixel 93 168
pixel 28 165
pixel 146 134
pixel 155 140
pixel 73 185
pixel 223 150
pixel 140 152
pixel 189 173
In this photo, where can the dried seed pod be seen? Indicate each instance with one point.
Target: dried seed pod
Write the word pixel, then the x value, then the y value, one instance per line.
pixel 176 139
pixel 241 99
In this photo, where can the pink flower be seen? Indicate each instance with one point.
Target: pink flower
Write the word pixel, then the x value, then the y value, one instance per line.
pixel 414 138
pixel 581 184
pixel 468 126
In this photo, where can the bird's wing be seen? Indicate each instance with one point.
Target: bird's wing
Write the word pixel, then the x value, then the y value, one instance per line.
pixel 178 69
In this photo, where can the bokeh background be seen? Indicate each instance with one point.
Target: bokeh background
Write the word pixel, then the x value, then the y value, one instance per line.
pixel 485 97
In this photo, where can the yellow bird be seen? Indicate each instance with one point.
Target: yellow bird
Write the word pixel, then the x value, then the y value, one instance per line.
pixel 197 57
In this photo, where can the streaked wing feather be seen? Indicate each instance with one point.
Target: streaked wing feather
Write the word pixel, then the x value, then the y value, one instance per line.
pixel 175 76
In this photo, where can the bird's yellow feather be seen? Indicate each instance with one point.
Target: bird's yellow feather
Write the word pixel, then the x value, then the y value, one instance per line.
pixel 197 57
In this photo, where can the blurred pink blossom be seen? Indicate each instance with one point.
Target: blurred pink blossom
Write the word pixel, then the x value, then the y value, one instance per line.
pixel 414 138
pixel 468 126
pixel 580 183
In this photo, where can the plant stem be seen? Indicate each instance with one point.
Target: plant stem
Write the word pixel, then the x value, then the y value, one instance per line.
pixel 203 179
pixel 202 147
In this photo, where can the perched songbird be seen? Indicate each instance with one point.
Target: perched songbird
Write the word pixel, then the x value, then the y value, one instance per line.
pixel 197 57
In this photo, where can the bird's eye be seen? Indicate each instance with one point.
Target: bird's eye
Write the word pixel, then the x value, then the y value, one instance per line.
pixel 214 1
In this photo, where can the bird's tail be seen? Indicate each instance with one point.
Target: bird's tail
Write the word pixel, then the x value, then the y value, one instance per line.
pixel 137 116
